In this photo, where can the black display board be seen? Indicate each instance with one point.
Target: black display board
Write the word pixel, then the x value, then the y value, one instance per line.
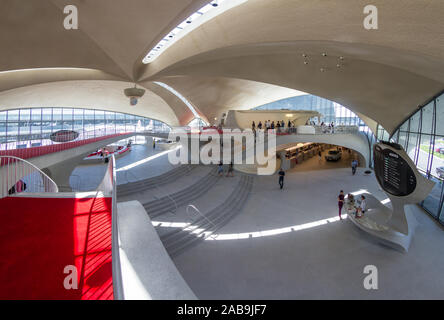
pixel 393 173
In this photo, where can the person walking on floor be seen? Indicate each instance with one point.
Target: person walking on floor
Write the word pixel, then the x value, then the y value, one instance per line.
pixel 340 202
pixel 354 165
pixel 230 169
pixel 220 169
pixel 154 143
pixel 320 156
pixel 281 178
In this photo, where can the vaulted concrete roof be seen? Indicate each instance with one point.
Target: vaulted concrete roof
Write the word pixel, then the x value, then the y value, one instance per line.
pixel 215 96
pixel 247 56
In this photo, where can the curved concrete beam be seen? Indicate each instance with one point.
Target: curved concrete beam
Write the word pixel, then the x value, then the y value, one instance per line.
pixel 22 78
pixel 183 113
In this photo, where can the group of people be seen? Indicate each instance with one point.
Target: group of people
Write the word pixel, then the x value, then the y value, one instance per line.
pixel 220 169
pixel 358 209
pixel 330 128
pixel 279 126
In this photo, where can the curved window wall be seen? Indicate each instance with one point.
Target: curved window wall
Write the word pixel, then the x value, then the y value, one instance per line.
pixel 331 111
pixel 25 128
pixel 422 136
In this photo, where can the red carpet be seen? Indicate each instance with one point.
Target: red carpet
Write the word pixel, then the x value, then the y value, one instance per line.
pixel 39 237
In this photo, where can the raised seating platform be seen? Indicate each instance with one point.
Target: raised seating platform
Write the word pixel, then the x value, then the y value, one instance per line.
pixel 376 222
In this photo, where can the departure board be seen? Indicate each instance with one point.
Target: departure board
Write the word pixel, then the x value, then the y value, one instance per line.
pixel 393 173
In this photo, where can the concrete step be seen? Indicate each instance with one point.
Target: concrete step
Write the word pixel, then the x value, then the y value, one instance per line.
pixel 150 183
pixel 178 241
pixel 226 205
pixel 171 202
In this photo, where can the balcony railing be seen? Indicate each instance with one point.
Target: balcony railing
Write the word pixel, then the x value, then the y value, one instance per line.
pixel 18 175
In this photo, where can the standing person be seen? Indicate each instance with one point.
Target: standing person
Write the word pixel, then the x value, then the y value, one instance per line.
pixel 281 178
pixel 340 202
pixel 354 165
pixel 253 126
pixel 278 125
pixel 230 169
pixel 362 207
pixel 259 125
pixel 289 126
pixel 320 156
pixel 220 169
pixel 154 143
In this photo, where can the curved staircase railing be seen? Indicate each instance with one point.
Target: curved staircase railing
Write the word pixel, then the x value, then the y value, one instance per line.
pixel 18 175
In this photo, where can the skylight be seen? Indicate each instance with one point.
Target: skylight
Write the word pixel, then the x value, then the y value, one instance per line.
pixel 198 18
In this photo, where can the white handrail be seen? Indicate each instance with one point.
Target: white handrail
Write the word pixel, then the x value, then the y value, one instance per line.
pixel 116 265
pixel 18 175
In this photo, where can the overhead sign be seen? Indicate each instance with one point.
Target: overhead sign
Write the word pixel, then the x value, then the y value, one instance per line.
pixel 393 173
pixel 64 136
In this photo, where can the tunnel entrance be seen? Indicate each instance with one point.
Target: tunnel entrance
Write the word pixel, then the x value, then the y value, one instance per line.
pixel 310 156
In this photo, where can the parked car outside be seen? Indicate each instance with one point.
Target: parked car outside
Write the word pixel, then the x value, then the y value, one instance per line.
pixel 440 172
pixel 333 155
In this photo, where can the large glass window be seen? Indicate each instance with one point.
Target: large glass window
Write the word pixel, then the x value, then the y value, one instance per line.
pixel 422 136
pixel 32 127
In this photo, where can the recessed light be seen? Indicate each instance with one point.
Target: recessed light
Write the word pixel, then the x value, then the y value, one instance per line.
pixel 338 65
pixel 305 62
pixel 341 58
pixel 324 54
pixel 304 55
pixel 322 69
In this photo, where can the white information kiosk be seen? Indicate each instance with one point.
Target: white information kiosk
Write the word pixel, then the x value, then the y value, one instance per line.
pixel 404 185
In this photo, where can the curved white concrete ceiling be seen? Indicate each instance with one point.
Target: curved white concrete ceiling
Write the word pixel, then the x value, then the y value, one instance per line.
pixel 385 73
pixel 93 94
pixel 215 96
